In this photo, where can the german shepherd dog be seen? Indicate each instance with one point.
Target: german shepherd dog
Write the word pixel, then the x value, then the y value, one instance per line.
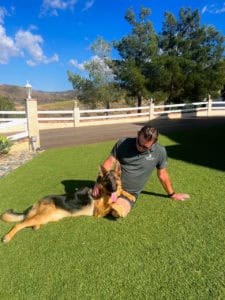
pixel 56 207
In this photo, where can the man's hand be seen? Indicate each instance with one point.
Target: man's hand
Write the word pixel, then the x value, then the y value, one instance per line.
pixel 95 191
pixel 180 197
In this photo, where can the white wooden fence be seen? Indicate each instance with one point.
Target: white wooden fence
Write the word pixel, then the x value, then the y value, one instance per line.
pixel 15 121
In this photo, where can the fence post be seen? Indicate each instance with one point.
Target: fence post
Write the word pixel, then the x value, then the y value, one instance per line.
pixel 151 109
pixel 32 123
pixel 209 105
pixel 76 114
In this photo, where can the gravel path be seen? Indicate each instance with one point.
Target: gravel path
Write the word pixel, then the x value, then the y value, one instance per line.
pixel 14 159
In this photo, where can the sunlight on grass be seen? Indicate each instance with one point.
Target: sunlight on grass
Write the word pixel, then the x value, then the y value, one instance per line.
pixel 162 250
pixel 60 105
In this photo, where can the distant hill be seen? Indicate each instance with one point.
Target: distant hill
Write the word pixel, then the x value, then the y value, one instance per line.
pixel 17 94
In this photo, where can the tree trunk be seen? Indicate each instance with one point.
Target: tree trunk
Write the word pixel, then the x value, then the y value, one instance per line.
pixel 107 106
pixel 139 98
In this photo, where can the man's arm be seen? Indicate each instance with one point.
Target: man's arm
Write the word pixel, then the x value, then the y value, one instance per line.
pixel 165 181
pixel 108 163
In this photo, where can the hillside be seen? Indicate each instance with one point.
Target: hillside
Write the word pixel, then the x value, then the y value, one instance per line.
pixel 17 94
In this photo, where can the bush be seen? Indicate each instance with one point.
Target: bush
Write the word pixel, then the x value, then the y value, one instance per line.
pixel 6 104
pixel 5 145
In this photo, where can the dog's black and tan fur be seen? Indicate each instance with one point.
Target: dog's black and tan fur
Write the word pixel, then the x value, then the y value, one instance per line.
pixel 56 207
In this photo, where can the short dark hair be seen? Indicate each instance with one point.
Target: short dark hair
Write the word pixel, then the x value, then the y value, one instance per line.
pixel 149 133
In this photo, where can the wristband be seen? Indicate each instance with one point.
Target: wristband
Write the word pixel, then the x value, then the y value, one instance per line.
pixel 170 195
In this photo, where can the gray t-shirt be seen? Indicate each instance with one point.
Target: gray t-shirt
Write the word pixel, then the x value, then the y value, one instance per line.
pixel 137 166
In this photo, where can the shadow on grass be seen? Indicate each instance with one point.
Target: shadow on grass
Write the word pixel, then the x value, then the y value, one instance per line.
pixel 205 147
pixel 154 194
pixel 200 141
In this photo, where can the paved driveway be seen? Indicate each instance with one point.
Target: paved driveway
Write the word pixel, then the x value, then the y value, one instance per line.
pixel 56 138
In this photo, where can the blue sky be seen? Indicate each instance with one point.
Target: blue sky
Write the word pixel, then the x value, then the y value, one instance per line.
pixel 41 39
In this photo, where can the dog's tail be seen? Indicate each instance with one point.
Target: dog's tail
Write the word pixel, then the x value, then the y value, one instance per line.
pixel 10 216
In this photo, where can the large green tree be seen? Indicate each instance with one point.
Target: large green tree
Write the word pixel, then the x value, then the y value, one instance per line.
pixel 192 56
pixel 185 62
pixel 135 50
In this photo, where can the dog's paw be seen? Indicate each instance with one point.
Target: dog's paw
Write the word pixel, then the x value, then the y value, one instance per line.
pixel 36 227
pixel 5 240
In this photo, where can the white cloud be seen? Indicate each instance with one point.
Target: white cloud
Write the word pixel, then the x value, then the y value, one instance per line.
pixel 8 48
pixel 95 59
pixel 31 43
pixel 4 12
pixel 25 44
pixel 75 64
pixel 31 63
pixel 204 9
pixel 88 5
pixel 51 7
pixel 213 9
pixel 45 60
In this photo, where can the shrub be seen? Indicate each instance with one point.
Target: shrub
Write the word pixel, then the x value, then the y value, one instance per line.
pixel 6 104
pixel 5 145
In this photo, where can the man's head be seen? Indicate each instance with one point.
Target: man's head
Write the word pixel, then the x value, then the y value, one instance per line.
pixel 147 136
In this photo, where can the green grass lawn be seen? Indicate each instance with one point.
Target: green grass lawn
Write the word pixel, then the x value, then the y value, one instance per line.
pixel 162 250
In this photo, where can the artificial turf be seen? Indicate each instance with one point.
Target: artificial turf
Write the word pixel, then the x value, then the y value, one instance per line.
pixel 162 250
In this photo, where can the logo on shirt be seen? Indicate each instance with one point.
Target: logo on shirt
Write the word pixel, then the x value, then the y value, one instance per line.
pixel 149 157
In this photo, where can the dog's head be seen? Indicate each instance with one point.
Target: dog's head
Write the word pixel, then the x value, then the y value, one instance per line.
pixel 107 181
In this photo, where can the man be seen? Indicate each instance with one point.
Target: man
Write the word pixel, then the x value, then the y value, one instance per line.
pixel 138 157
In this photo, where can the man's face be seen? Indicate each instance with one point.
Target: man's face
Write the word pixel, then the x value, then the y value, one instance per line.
pixel 142 144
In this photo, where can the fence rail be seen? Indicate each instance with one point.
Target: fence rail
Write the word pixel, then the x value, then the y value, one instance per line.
pixel 82 117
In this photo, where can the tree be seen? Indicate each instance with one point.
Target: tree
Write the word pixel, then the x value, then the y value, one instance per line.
pixel 185 62
pixel 165 76
pixel 135 50
pixel 100 86
pixel 197 52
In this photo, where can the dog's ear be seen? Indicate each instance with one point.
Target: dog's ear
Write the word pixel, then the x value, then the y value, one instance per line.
pixel 117 168
pixel 102 170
